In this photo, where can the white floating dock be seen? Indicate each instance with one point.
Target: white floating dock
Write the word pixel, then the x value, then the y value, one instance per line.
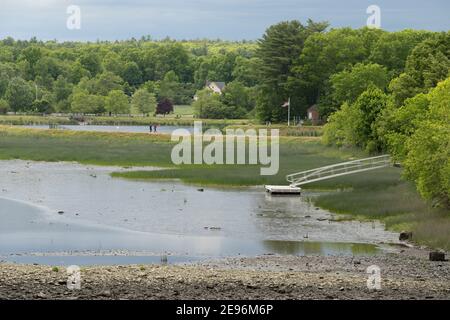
pixel 283 190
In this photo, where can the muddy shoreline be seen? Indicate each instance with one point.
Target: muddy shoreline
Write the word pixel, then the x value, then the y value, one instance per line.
pixel 406 274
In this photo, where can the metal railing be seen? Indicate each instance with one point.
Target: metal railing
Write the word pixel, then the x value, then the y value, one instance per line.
pixel 337 170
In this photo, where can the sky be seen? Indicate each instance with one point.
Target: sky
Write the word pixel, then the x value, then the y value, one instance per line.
pixel 213 19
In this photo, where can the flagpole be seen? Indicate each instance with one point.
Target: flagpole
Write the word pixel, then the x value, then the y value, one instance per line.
pixel 289 112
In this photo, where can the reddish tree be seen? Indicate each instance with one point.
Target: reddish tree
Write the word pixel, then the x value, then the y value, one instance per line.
pixel 165 106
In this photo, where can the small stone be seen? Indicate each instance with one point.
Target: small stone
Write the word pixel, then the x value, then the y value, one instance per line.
pixel 105 293
pixel 437 256
pixel 41 295
pixel 405 235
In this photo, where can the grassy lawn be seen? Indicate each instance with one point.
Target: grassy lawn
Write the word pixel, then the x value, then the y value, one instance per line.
pixel 183 110
pixel 374 195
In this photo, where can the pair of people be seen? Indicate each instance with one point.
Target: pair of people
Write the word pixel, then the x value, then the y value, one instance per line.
pixel 153 128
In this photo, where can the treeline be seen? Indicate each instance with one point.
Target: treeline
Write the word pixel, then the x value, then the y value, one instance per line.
pixel 120 77
pixel 305 62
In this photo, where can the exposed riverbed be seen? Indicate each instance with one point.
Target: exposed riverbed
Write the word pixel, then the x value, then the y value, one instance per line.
pixel 67 213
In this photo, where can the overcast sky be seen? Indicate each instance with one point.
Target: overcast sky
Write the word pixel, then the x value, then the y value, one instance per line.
pixel 191 19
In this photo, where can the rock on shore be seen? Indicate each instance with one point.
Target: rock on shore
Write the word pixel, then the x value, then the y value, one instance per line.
pixel 405 275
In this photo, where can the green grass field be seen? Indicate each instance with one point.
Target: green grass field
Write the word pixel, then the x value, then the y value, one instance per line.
pixel 380 194
pixel 183 110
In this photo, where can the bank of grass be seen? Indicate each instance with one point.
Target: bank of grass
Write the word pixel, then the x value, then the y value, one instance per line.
pixel 184 121
pixel 379 194
pixel 292 131
pixel 121 149
pixel 383 195
pixel 35 120
pixel 179 119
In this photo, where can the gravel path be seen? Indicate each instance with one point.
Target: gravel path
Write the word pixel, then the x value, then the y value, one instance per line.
pixel 404 275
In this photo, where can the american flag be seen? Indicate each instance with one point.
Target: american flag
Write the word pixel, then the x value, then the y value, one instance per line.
pixel 287 104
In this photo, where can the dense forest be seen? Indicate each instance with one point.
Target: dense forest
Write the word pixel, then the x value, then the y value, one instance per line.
pixel 119 77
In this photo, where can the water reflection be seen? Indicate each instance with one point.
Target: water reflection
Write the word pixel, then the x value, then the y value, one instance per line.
pixel 320 248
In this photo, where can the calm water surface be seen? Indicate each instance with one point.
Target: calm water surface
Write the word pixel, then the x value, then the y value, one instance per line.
pixel 123 129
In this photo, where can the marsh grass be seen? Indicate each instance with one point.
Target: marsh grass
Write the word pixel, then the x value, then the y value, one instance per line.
pixel 293 131
pixel 182 118
pixel 34 120
pixel 122 149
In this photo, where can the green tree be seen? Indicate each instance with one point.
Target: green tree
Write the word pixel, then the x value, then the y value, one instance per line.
pixel 42 106
pixel 91 62
pixel 393 48
pixel 396 125
pixel 348 85
pixel 237 95
pixel 30 56
pixel 428 63
pixel 403 87
pixel 4 106
pixel 277 51
pixel 117 102
pixel 84 102
pixel 103 83
pixel 77 72
pixel 7 72
pixel 356 124
pixel 112 62
pixel 62 89
pixel 48 69
pixel 216 67
pixel 343 126
pixel 143 102
pixel 19 95
pixel 246 71
pixel 132 74
pixel 323 55
pixel 169 87
pixel 371 102
pixel 172 57
pixel 427 161
pixel 210 106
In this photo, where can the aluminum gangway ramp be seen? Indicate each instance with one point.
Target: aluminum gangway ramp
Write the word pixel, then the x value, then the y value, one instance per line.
pixel 337 170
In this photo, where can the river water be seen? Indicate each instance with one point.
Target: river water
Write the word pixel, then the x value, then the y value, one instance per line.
pixel 67 213
pixel 122 129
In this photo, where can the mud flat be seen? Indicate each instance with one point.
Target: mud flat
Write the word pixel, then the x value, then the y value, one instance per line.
pixel 405 275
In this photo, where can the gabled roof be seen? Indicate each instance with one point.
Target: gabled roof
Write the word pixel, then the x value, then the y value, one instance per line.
pixel 220 85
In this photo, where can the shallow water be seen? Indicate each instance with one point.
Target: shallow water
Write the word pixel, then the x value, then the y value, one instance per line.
pixel 123 129
pixel 150 219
